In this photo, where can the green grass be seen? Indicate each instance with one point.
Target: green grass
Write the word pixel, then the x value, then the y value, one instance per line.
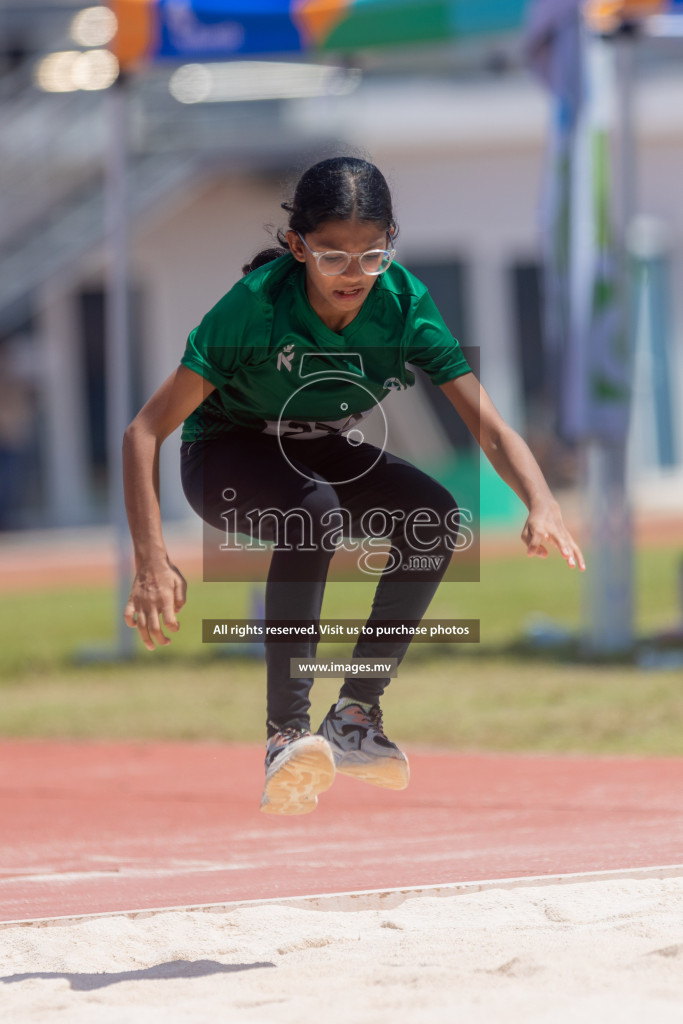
pixel 499 695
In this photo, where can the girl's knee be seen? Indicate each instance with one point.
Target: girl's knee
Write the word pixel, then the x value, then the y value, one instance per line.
pixel 301 522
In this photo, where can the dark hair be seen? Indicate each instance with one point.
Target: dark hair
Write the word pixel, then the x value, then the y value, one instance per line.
pixel 263 257
pixel 340 188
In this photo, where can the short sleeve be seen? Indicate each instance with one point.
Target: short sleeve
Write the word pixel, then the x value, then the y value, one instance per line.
pixel 226 337
pixel 431 346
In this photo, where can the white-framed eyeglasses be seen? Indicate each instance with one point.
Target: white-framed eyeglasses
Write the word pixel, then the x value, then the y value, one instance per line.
pixel 334 262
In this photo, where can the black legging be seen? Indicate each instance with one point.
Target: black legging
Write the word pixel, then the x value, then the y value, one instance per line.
pixel 296 475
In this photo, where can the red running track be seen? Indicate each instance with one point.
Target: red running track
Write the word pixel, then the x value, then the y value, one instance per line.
pixel 100 827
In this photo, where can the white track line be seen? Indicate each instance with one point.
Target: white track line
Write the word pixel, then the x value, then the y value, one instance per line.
pixel 369 899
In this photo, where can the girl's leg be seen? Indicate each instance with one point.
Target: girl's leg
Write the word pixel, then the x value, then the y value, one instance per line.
pixel 395 489
pixel 397 500
pixel 253 467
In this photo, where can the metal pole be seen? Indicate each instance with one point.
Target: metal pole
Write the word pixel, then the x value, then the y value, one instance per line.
pixel 608 618
pixel 117 361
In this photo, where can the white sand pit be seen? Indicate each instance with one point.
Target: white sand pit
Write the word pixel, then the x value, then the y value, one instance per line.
pixel 598 951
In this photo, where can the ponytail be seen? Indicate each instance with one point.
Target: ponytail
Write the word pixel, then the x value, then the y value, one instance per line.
pixel 263 257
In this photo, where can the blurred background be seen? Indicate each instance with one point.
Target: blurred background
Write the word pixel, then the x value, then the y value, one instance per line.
pixel 461 129
pixel 196 123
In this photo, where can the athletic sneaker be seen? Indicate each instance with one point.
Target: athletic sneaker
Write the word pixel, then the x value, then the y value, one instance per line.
pixel 355 733
pixel 298 767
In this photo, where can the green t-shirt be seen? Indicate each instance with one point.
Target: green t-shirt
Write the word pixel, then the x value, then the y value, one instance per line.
pixel 278 368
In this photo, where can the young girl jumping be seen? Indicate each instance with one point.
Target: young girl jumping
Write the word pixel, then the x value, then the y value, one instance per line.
pixel 333 298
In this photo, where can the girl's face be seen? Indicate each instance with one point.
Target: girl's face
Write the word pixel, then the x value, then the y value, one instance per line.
pixel 338 299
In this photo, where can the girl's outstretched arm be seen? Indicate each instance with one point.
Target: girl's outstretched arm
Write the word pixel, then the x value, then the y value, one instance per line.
pixel 511 457
pixel 158 589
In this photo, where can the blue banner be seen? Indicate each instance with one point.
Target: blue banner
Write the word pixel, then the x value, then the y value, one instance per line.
pixel 202 29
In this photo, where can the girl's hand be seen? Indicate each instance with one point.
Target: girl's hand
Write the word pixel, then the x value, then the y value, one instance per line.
pixel 545 526
pixel 158 590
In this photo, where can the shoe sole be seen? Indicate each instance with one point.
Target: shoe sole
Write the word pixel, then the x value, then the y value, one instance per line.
pixel 294 786
pixel 387 772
